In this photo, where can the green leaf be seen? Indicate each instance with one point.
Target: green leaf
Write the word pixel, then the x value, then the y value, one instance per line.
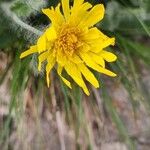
pixel 21 8
pixel 24 8
pixel 120 18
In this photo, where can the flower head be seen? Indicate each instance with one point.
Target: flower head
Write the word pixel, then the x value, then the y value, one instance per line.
pixel 73 44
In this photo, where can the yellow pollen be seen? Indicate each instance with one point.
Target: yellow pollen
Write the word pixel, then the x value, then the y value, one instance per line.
pixel 68 40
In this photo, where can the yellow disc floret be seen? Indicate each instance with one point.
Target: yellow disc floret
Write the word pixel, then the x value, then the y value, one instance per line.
pixel 68 40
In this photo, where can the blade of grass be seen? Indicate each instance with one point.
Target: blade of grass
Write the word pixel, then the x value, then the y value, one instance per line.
pixel 17 86
pixel 116 119
pixel 137 93
pixel 66 100
pixel 139 20
pixel 77 94
pixel 5 72
pixel 138 49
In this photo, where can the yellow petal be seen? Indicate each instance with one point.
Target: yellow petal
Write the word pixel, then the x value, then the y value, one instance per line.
pixel 59 70
pixel 51 33
pixel 109 41
pixel 78 12
pixel 88 75
pixel 76 7
pixel 61 58
pixel 84 48
pixel 108 56
pixel 77 3
pixel 99 44
pixel 60 17
pixel 66 9
pixel 49 66
pixel 41 43
pixel 96 48
pixel 42 58
pixel 74 72
pixel 76 59
pixel 89 62
pixel 92 33
pixel 97 58
pixel 107 72
pixel 95 15
pixel 55 16
pixel 33 49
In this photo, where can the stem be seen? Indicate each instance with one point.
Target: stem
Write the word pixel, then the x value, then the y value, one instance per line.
pixel 6 8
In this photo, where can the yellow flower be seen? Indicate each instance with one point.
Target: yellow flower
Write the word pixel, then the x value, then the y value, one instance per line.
pixel 73 44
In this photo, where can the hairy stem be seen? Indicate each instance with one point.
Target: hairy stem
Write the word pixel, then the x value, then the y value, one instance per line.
pixel 6 8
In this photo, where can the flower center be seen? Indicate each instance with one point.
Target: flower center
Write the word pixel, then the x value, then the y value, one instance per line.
pixel 68 40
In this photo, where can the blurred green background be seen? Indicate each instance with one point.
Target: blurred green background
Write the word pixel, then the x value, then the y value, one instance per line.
pixel 116 116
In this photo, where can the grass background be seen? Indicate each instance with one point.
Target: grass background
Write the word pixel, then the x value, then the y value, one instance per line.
pixel 35 117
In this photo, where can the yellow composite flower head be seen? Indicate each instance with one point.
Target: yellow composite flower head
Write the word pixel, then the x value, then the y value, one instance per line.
pixel 73 44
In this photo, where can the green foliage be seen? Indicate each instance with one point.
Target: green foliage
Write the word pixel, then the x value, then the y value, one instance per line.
pixel 137 49
pixel 7 36
pixel 21 8
pixel 24 8
pixel 126 20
